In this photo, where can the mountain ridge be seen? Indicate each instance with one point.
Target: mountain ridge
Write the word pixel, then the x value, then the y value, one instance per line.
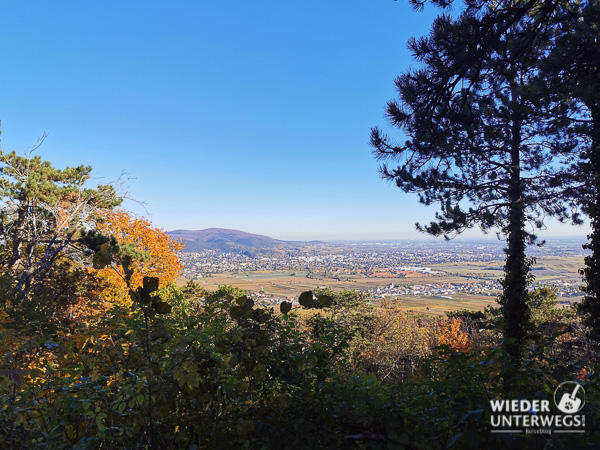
pixel 236 241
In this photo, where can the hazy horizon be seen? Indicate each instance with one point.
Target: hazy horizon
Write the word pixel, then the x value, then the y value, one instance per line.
pixel 470 236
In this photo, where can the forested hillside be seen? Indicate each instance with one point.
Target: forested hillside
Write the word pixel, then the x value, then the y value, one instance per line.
pixel 234 241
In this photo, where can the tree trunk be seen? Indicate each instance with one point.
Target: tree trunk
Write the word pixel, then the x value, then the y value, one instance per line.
pixel 515 281
pixel 17 236
pixel 516 270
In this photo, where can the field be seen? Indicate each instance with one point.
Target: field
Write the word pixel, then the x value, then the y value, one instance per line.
pixel 290 284
pixel 286 284
pixel 546 268
pixel 439 306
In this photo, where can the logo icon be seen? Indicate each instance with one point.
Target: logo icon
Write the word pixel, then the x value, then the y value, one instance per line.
pixel 569 397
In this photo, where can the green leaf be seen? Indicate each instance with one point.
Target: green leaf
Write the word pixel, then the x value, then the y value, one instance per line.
pixel 126 262
pixel 245 302
pixel 236 312
pixel 141 295
pixel 150 283
pixel 453 440
pixel 472 415
pixel 100 421
pixel 259 315
pixel 325 300
pixel 160 333
pixel 121 407
pixel 306 299
pixel 162 307
pixel 285 307
pixel 128 274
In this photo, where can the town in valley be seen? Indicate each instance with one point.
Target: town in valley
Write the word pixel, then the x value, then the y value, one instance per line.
pixel 426 276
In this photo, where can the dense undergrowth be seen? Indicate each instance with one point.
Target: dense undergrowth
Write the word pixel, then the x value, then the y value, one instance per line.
pixel 183 368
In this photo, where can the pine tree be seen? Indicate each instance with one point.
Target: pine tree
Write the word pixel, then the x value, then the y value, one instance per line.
pixel 570 73
pixel 479 133
pixel 573 66
pixel 42 210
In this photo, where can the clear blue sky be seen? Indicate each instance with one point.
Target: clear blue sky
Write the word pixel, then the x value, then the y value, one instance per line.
pixel 233 114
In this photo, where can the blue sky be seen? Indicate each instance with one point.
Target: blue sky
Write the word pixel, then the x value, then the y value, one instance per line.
pixel 245 115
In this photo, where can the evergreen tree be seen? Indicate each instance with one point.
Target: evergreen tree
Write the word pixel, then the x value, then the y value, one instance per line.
pixel 573 65
pixel 42 209
pixel 479 133
pixel 570 71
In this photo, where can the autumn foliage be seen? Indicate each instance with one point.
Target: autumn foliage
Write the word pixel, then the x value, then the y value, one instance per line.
pixel 392 344
pixel 162 260
pixel 449 333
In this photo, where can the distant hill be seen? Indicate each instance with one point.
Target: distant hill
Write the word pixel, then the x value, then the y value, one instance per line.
pixel 232 241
